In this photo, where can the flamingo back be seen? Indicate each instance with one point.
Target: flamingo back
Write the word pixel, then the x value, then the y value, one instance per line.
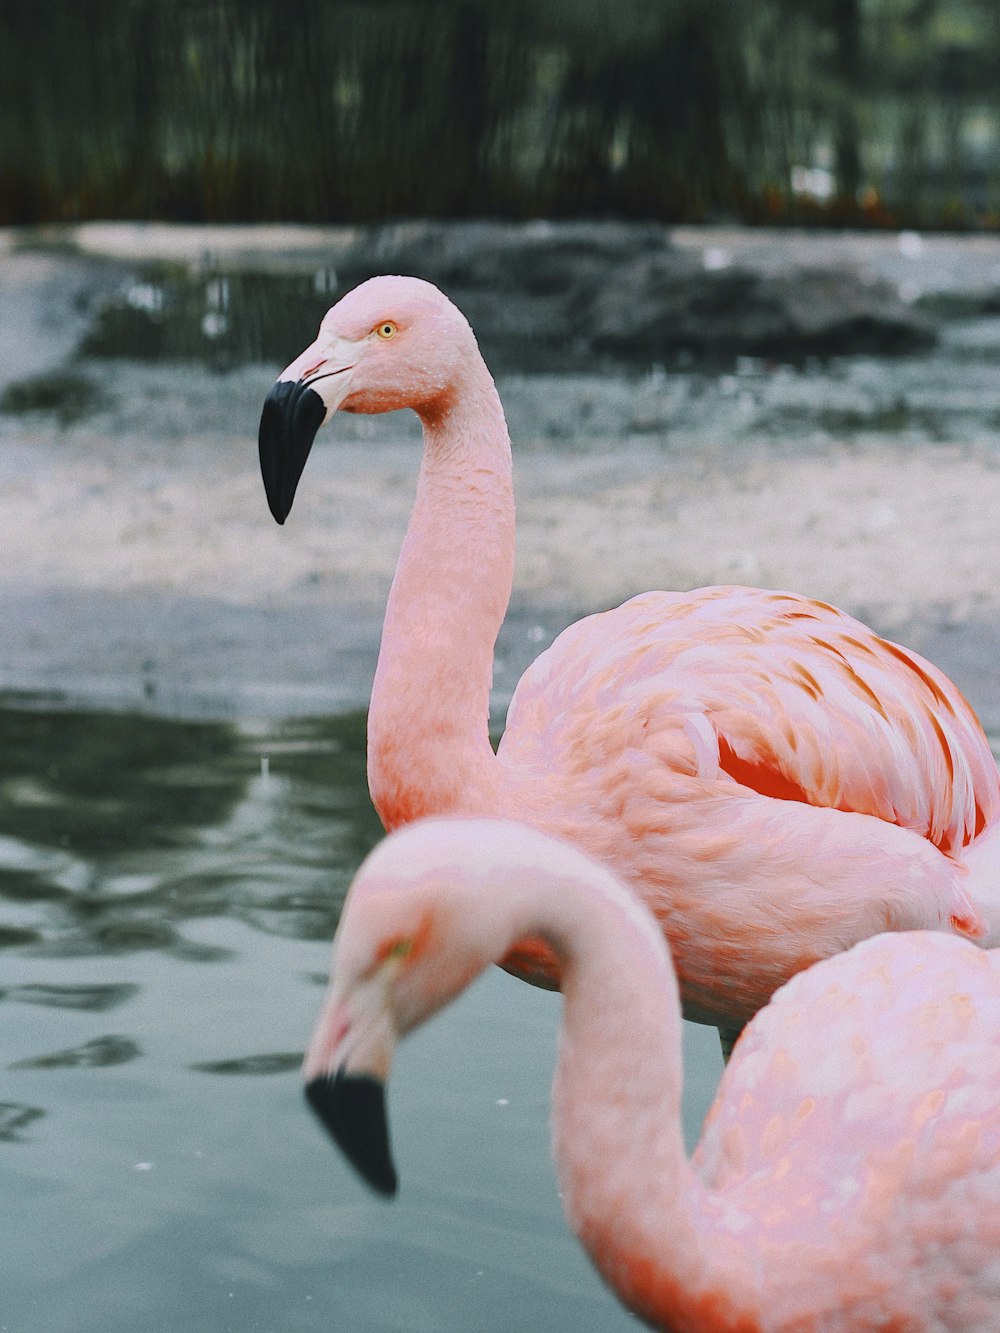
pixel 860 1118
pixel 775 692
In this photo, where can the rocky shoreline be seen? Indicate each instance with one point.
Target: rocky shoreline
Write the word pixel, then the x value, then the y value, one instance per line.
pixel 565 297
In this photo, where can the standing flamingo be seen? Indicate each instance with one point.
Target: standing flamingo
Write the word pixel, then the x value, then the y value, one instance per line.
pixel 772 778
pixel 846 1184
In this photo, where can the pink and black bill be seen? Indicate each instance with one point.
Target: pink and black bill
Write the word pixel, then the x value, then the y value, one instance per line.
pixel 352 1108
pixel 292 414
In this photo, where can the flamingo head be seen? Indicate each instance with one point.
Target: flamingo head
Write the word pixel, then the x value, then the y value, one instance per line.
pixel 416 928
pixel 392 342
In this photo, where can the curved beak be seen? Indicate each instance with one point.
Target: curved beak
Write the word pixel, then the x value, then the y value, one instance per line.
pixel 352 1107
pixel 345 1071
pixel 305 396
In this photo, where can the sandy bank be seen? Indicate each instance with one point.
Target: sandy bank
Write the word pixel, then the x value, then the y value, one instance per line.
pixel 163 579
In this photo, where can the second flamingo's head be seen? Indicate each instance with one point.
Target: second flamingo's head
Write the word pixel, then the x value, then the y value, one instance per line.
pixel 422 919
pixel 392 342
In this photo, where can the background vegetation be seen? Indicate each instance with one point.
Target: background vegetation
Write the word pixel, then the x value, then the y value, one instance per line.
pixel 875 111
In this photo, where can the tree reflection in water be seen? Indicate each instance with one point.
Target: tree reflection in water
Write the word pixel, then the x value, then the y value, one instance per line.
pixel 119 829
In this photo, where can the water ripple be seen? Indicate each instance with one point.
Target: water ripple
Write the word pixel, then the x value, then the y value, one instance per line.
pixel 276 1063
pixel 15 1117
pixel 95 999
pixel 121 829
pixel 96 1054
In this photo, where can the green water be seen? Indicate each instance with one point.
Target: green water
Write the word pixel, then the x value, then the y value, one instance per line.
pixel 167 895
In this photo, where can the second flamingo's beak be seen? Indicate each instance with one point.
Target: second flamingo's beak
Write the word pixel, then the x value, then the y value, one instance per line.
pixel 306 395
pixel 352 1108
pixel 346 1070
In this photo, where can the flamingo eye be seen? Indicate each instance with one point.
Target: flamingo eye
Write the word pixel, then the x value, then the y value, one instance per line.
pixel 386 330
pixel 395 951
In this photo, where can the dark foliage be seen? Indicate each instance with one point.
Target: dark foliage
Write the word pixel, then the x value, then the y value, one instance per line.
pixel 357 110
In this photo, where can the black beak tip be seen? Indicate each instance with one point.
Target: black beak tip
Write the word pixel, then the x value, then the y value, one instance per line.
pixel 352 1109
pixel 289 420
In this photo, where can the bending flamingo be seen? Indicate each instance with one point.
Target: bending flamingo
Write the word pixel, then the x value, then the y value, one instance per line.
pixel 848 1184
pixel 772 778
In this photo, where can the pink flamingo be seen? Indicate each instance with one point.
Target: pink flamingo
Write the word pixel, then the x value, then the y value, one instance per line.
pixel 848 1183
pixel 772 778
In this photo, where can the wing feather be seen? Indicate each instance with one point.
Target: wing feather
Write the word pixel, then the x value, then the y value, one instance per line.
pixel 776 692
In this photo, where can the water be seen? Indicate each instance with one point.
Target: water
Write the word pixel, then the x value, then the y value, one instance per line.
pixel 214 316
pixel 168 892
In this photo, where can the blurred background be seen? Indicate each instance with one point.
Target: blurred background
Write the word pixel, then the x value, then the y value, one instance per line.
pixel 882 112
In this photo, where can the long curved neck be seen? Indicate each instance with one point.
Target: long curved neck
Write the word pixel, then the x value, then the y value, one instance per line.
pixel 428 723
pixel 629 1191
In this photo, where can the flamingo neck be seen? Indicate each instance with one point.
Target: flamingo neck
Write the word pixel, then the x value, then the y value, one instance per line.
pixel 428 724
pixel 648 1223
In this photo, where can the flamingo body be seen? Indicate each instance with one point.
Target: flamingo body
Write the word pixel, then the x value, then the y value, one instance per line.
pixel 773 779
pixel 851 1183
pixel 702 743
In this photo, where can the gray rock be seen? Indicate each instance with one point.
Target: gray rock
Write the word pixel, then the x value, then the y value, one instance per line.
pixel 661 306
pixel 553 295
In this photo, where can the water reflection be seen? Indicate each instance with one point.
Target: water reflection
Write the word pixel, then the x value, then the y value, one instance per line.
pixel 254 1064
pixel 169 892
pixel 95 1054
pixel 96 999
pixel 122 829
pixel 14 1119
pixel 78 787
pixel 215 317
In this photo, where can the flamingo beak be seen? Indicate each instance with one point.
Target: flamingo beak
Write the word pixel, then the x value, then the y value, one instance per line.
pixel 306 395
pixel 352 1108
pixel 346 1069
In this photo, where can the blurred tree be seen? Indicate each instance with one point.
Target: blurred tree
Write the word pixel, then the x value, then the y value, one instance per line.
pixel 361 109
pixel 844 17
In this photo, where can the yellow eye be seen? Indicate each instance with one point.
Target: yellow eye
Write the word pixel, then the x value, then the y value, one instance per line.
pixel 387 329
pixel 395 950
